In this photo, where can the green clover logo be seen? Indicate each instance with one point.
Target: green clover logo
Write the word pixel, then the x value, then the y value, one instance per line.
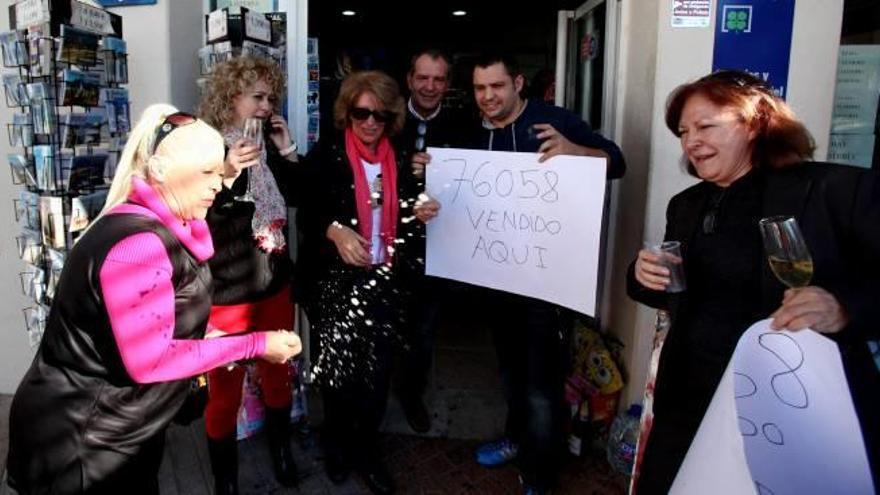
pixel 737 20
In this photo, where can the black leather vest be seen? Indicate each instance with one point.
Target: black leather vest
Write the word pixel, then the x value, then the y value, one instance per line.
pixel 77 416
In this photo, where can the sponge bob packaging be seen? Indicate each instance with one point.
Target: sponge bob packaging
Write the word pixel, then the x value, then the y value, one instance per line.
pixel 594 361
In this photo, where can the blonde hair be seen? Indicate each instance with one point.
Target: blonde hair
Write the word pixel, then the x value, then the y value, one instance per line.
pixel 186 144
pixel 230 80
pixel 381 86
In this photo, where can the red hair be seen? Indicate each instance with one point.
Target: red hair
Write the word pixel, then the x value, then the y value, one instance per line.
pixel 781 139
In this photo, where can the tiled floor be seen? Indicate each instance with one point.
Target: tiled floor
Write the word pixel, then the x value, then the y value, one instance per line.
pixel 443 466
pixel 419 465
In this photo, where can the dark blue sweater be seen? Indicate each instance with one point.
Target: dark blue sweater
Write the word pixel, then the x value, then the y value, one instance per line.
pixel 519 135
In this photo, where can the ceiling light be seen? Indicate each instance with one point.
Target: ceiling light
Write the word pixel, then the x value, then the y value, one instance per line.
pixel 459 13
pixel 348 13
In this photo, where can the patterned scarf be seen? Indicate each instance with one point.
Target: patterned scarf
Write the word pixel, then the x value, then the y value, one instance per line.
pixel 270 210
pixel 357 151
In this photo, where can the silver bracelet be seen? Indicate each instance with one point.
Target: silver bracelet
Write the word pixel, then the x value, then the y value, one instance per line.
pixel 290 149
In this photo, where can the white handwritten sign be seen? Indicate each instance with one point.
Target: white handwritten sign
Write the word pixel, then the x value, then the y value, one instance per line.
pixel 508 222
pixel 796 425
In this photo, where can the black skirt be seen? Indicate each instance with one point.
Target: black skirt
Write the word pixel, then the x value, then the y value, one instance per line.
pixel 350 311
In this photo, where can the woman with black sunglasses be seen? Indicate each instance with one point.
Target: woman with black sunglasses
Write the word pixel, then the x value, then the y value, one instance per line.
pixel 753 158
pixel 125 331
pixel 351 227
pixel 252 269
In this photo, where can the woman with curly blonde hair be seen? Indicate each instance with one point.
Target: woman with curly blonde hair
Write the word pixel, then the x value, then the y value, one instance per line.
pixel 252 266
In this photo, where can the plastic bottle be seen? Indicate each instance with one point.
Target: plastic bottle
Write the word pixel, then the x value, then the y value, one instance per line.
pixel 622 440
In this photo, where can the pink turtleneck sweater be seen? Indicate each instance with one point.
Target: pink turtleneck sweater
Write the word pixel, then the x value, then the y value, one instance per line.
pixel 136 282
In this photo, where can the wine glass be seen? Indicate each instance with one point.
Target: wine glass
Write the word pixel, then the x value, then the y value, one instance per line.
pixel 252 132
pixel 787 251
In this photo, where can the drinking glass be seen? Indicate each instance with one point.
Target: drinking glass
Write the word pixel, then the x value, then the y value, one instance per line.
pixel 787 251
pixel 253 131
pixel 670 257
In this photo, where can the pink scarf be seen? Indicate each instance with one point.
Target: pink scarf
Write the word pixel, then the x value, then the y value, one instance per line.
pixel 356 152
pixel 193 234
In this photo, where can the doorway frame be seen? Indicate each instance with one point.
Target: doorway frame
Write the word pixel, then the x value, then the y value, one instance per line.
pixel 566 20
pixel 565 65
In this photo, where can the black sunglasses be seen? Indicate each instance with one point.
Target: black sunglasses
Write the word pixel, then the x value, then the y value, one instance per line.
pixel 380 116
pixel 171 122
pixel 421 130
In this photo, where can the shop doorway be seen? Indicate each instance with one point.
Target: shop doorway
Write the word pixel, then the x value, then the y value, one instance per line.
pixel 586 63
pixel 465 392
pixel 383 35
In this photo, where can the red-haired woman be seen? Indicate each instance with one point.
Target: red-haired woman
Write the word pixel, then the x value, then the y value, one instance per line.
pixel 751 154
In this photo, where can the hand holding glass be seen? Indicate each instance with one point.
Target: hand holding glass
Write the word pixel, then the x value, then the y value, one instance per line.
pixel 787 251
pixel 670 257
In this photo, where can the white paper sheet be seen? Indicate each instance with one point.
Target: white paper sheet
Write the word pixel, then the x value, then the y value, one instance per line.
pixel 716 462
pixel 798 429
pixel 510 223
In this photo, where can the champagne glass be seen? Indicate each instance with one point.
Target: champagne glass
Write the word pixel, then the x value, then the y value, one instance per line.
pixel 787 251
pixel 252 132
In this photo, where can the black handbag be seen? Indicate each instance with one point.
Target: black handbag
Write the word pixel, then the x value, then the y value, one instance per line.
pixel 196 399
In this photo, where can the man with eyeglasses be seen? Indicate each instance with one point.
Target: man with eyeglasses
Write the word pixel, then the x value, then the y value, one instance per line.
pixel 428 123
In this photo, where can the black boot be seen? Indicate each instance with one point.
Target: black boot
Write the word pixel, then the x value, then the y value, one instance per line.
pixel 416 413
pixel 278 435
pixel 224 464
pixel 336 466
pixel 376 476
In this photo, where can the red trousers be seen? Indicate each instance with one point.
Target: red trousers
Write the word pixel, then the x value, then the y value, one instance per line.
pixel 225 385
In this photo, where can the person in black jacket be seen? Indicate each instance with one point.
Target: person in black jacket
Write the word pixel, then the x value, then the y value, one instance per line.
pixel 349 270
pixel 252 268
pixel 749 150
pixel 428 123
pixel 125 332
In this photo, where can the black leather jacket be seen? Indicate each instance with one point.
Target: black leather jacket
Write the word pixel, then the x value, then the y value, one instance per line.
pixel 78 417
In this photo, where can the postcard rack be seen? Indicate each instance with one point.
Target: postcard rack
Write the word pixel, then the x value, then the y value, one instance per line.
pixel 64 64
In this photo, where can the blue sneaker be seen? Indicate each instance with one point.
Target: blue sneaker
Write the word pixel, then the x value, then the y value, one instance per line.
pixel 494 454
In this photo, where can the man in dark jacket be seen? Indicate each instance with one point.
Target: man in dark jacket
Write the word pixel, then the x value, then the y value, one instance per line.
pixel 428 123
pixel 528 333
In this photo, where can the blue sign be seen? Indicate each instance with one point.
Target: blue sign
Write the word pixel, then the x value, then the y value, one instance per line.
pixel 122 3
pixel 755 36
